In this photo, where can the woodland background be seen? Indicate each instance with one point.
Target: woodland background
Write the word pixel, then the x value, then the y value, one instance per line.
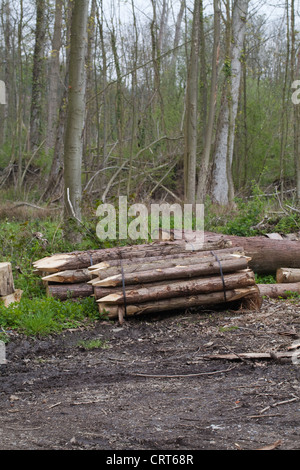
pixel 139 67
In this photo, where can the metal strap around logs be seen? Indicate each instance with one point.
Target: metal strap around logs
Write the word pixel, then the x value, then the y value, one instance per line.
pixel 221 272
pixel 123 285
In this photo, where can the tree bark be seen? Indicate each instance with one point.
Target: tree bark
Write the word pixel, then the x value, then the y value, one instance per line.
pixel 275 291
pixel 284 275
pixel 69 291
pixel 222 188
pixel 190 153
pixel 202 188
pixel 36 117
pixel 54 66
pixel 267 255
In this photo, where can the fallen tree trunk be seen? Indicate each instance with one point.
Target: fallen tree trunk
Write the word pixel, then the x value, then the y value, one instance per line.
pixel 166 290
pixel 251 356
pixel 84 259
pixel 177 272
pixel 197 259
pixel 275 291
pixel 6 279
pixel 249 297
pixel 268 255
pixel 69 291
pixel 287 275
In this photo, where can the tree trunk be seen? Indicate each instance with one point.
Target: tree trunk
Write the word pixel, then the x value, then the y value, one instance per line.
pixel 69 291
pixel 267 255
pixel 284 275
pixel 75 120
pixel 222 187
pixel 36 114
pixel 190 155
pixel 275 291
pixel 202 188
pixel 54 75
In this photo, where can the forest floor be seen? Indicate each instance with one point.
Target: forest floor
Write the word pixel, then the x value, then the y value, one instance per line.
pixel 152 386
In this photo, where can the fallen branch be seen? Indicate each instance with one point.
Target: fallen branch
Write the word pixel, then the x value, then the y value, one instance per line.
pixel 183 375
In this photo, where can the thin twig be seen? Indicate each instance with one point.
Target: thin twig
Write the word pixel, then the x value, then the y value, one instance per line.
pixel 184 375
pixel 279 403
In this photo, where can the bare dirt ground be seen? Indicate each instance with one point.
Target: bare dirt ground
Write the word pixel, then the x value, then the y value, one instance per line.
pixel 152 387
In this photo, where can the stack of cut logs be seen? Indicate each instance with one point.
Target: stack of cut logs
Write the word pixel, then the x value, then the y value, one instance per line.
pixel 8 293
pixel 154 277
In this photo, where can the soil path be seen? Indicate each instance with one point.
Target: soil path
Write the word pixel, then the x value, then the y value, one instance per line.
pixel 151 387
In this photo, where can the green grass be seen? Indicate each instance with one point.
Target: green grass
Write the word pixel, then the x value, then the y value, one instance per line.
pixel 92 344
pixel 43 316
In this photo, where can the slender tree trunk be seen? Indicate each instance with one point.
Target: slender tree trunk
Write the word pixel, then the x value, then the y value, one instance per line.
pixel 222 188
pixel 75 119
pixel 284 107
pixel 202 188
pixel 54 75
pixel 192 112
pixel 54 186
pixel 36 114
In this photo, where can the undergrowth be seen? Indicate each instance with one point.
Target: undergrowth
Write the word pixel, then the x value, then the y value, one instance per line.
pixel 43 316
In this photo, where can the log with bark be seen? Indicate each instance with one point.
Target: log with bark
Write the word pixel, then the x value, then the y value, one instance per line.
pixel 72 276
pixel 173 289
pixel 287 275
pixel 247 297
pixel 276 291
pixel 177 272
pixel 267 255
pixel 69 291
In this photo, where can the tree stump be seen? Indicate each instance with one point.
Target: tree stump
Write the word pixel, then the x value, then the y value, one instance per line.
pixel 6 280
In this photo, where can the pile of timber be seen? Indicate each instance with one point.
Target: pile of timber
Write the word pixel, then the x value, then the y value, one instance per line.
pixel 8 293
pixel 154 277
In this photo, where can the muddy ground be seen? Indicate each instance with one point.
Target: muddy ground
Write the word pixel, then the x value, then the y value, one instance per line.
pixel 152 386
